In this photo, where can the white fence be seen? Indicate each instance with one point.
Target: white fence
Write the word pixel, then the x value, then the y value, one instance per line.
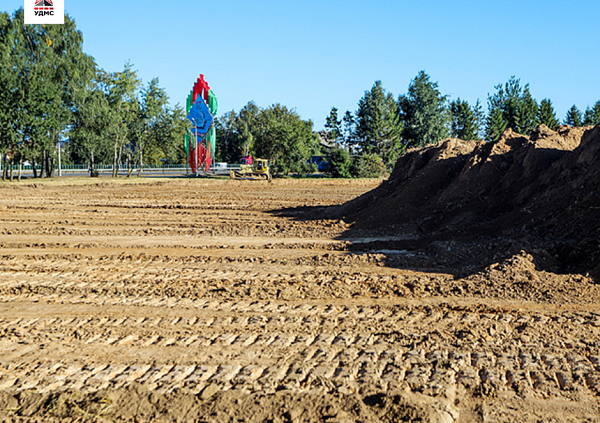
pixel 215 169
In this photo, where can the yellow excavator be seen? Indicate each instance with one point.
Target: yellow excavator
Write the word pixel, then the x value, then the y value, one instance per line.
pixel 257 170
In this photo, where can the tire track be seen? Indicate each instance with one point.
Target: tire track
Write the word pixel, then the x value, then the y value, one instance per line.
pixel 344 359
pixel 114 286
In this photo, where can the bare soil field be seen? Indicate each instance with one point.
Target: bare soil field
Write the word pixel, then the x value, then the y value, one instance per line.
pixel 241 301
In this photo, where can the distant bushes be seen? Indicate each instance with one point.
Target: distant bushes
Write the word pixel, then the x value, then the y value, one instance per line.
pixel 368 165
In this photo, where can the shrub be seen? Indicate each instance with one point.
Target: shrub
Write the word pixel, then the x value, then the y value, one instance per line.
pixel 307 169
pixel 368 166
pixel 339 163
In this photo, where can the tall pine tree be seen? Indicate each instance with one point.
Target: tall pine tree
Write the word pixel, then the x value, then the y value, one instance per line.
pixel 496 124
pixel 378 126
pixel 333 126
pixel 547 115
pixel 465 120
pixel 574 117
pixel 592 115
pixel 348 131
pixel 527 113
pixel 512 106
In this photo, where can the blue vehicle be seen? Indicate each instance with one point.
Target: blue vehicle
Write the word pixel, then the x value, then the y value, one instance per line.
pixel 321 162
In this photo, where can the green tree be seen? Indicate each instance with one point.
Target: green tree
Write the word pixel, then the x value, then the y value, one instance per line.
pixel 49 67
pixel 574 117
pixel 339 163
pixel 424 113
pixel 348 130
pixel 496 124
pixel 547 115
pixel 285 139
pixel 8 108
pixel 333 127
pixel 228 138
pixel 527 113
pixel 236 133
pixel 368 165
pixel 378 128
pixel 512 106
pixel 248 127
pixel 50 91
pixel 90 135
pixel 37 102
pixel 73 72
pixel 480 117
pixel 121 90
pixel 168 131
pixel 465 120
pixel 592 115
pixel 150 111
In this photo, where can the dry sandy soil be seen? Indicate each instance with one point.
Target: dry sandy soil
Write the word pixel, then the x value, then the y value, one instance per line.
pixel 232 301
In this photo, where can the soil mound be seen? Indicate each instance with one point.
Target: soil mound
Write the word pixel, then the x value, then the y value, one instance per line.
pixel 540 191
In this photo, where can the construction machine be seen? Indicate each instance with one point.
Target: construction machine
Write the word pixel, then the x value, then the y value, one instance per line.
pixel 258 170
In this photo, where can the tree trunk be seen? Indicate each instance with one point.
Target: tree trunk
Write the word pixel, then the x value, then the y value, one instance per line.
pixel 20 166
pixel 59 160
pixel 43 169
pixel 92 163
pixel 115 168
pixel 12 161
pixel 33 166
pixel 49 166
pixel 129 165
pixel 4 169
pixel 141 159
pixel 120 159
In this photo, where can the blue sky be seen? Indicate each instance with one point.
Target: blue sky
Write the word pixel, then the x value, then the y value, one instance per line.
pixel 313 55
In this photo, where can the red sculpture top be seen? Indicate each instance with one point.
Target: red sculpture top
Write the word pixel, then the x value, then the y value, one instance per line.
pixel 200 88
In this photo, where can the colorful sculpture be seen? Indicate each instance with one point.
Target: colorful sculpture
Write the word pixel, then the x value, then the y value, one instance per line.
pixel 201 107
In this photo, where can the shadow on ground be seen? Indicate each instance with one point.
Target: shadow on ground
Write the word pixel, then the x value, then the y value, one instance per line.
pixel 462 206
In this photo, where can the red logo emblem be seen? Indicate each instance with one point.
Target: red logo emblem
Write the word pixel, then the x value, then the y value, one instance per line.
pixel 44 5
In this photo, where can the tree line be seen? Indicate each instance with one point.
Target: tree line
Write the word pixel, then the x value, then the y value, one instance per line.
pixel 384 127
pixel 57 104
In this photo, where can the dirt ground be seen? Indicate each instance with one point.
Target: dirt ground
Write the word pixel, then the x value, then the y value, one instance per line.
pixel 233 301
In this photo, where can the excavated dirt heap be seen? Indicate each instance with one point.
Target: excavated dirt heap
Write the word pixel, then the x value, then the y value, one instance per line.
pixel 539 192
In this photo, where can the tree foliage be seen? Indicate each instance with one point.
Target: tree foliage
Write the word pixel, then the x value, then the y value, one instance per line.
pixel 348 132
pixel 512 106
pixel 89 139
pixel 368 165
pixel 377 127
pixel 276 133
pixel 285 139
pixel 592 115
pixel 53 98
pixel 466 120
pixel 120 90
pixel 333 127
pixel 236 133
pixel 424 112
pixel 43 71
pixel 574 117
pixel 339 163
pixel 547 115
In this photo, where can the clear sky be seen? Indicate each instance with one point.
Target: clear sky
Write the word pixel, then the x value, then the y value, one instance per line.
pixel 312 55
